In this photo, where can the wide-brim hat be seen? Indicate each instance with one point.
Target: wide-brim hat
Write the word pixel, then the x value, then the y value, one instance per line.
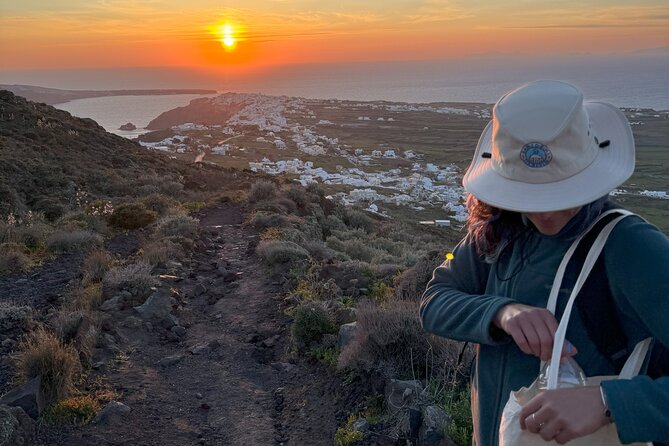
pixel 548 150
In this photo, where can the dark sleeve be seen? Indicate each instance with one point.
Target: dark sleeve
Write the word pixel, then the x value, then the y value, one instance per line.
pixel 454 304
pixel 637 264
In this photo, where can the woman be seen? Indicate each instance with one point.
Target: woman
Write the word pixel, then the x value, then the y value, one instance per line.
pixel 541 173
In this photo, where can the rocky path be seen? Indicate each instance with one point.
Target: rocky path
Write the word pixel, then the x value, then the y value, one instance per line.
pixel 230 379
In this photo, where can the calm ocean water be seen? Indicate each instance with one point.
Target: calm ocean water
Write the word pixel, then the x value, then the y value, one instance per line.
pixel 637 80
pixel 111 112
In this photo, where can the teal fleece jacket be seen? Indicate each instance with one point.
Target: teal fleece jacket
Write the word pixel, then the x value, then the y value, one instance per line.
pixel 465 293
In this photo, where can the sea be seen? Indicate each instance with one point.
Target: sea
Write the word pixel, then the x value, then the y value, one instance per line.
pixel 632 80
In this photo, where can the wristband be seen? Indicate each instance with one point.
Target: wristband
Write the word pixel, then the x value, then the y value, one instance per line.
pixel 607 411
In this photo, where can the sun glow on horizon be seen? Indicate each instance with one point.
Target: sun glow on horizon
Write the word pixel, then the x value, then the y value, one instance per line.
pixel 226 34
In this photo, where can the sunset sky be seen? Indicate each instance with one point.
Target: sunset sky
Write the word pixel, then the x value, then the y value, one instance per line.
pixel 36 34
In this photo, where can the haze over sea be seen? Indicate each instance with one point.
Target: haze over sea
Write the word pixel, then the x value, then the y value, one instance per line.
pixel 632 80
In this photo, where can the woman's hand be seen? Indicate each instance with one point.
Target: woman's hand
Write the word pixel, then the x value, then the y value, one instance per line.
pixel 532 328
pixel 564 414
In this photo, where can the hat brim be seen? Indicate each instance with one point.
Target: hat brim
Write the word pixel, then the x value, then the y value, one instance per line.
pixel 612 166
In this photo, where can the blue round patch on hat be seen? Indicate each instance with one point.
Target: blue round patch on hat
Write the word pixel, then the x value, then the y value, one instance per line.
pixel 536 155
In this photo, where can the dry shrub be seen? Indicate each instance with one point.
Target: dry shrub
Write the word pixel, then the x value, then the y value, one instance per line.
pixel 263 220
pixel 78 329
pixel 277 252
pixel 185 243
pixel 73 241
pixel 34 236
pixel 390 340
pixel 96 264
pixel 262 190
pixel 135 278
pixel 132 216
pixel 178 225
pixel 159 252
pixel 42 353
pixel 271 234
pixel 319 251
pixel 299 196
pixel 79 220
pixel 411 284
pixel 15 319
pixel 357 219
pixel 350 276
pixel 87 298
pixel 159 203
pixel 13 259
pixel 356 249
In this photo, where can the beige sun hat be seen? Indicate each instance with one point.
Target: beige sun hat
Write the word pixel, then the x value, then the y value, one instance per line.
pixel 547 150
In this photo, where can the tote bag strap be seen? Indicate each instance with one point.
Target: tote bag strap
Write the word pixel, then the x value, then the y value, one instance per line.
pixel 590 260
pixel 559 275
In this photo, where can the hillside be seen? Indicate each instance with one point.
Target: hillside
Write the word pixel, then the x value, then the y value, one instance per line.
pixel 48 156
pixel 58 96
pixel 141 291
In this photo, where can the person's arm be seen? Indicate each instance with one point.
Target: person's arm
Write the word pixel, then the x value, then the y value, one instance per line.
pixel 454 304
pixel 637 265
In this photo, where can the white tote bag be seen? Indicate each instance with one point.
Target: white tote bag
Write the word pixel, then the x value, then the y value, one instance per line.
pixel 510 433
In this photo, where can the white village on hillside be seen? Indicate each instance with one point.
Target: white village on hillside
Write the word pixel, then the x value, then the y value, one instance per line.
pixel 281 123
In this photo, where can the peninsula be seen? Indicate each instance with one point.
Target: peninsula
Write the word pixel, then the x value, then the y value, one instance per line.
pixel 52 96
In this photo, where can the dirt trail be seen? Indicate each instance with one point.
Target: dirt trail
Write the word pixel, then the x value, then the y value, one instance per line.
pixel 242 387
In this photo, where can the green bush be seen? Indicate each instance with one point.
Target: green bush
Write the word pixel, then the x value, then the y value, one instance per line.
pixel 277 252
pixel 76 410
pixel 457 403
pixel 262 190
pixel 65 241
pixel 311 322
pixel 132 216
pixel 347 435
pixel 178 225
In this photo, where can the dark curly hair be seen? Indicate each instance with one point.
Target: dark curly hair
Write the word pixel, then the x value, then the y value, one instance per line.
pixel 491 229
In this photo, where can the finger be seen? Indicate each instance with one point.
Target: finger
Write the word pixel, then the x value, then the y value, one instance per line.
pixel 568 349
pixel 564 436
pixel 520 339
pixel 549 429
pixel 545 342
pixel 532 406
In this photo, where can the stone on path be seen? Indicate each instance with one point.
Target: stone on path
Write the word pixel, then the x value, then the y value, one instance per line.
pixel 16 427
pixel 112 413
pixel 28 396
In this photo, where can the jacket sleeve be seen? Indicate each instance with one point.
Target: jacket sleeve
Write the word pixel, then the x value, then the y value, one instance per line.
pixel 637 264
pixel 454 304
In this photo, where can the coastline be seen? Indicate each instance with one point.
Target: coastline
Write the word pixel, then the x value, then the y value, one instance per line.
pixel 54 96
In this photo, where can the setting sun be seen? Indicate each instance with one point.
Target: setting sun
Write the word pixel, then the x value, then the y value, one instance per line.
pixel 227 36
